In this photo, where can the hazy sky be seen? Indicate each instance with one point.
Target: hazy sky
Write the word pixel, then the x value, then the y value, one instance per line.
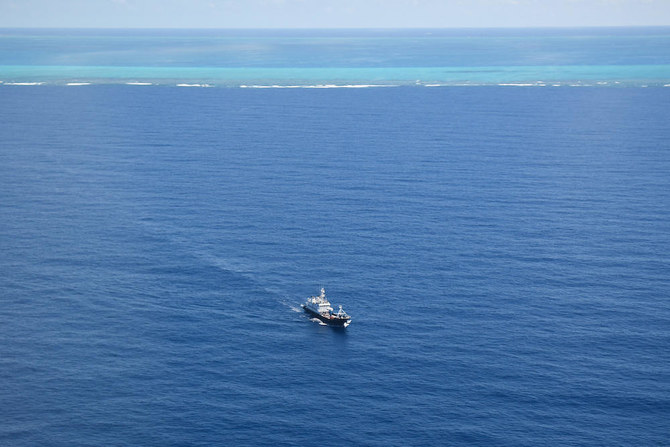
pixel 331 13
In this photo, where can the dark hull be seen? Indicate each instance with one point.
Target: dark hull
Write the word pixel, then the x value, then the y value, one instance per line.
pixel 333 321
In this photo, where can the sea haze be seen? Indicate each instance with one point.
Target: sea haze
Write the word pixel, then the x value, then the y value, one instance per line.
pixel 338 58
pixel 504 253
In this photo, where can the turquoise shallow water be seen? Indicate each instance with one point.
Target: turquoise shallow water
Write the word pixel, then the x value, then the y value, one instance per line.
pixel 609 56
pixel 389 76
pixel 504 252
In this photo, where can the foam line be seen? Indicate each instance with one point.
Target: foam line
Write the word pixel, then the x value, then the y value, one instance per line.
pixel 319 86
pixel 24 83
pixel 193 85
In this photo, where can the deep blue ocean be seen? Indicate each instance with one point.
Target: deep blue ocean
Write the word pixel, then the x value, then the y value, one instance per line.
pixel 504 253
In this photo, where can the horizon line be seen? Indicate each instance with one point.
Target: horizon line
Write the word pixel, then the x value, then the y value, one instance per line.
pixel 384 28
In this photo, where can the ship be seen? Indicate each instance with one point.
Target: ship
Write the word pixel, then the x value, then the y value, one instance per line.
pixel 319 307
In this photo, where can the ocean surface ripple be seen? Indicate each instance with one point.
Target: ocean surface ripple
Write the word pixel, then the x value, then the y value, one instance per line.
pixel 504 254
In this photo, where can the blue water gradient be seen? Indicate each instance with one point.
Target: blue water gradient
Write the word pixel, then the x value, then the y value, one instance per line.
pixel 504 254
pixel 230 58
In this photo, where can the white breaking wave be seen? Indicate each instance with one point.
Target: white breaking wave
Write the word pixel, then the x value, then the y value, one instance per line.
pixel 78 83
pixel 139 83
pixel 24 83
pixel 268 86
pixel 193 85
pixel 319 86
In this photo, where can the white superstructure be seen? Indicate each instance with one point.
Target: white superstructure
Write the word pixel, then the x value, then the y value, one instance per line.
pixel 319 304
